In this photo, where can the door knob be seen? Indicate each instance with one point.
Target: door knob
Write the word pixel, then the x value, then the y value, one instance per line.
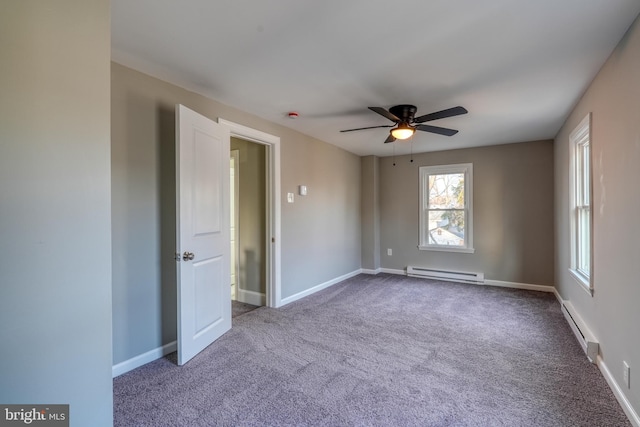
pixel 188 256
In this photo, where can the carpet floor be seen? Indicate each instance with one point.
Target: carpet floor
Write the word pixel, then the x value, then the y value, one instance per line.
pixel 239 308
pixel 382 350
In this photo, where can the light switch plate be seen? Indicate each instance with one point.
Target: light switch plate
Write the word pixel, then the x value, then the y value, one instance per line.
pixel 302 190
pixel 290 197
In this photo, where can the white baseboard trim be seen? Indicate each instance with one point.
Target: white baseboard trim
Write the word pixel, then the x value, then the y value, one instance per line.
pixel 251 297
pixel 515 285
pixel 383 270
pixel 500 283
pixel 319 287
pixel 143 359
pixel 392 271
pixel 619 393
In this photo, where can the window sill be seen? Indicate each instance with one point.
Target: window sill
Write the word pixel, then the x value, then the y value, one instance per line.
pixel 447 249
pixel 582 280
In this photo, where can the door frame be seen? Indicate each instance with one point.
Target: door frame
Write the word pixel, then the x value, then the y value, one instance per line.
pixel 273 244
pixel 235 252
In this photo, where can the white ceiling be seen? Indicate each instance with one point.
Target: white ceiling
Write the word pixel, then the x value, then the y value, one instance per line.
pixel 518 66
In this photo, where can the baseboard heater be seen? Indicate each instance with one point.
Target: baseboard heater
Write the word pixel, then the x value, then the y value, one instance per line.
pixel 583 334
pixel 452 276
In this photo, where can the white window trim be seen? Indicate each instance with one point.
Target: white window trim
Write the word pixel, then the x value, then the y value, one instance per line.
pixel 467 169
pixel 581 131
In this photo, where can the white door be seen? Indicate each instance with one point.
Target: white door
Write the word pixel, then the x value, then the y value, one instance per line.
pixel 202 185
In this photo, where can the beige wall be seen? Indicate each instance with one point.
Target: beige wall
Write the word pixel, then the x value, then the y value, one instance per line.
pixel 251 215
pixel 612 313
pixel 55 268
pixel 320 232
pixel 370 210
pixel 512 212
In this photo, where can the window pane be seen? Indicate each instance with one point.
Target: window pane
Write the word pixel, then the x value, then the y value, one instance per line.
pixel 446 191
pixel 579 176
pixel 584 241
pixel 585 174
pixel 582 174
pixel 446 227
pixel 580 205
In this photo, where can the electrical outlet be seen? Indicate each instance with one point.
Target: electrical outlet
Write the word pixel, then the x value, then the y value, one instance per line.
pixel 389 252
pixel 626 374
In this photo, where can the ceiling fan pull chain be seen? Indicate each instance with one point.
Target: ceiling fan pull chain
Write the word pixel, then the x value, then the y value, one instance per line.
pixel 394 152
pixel 411 150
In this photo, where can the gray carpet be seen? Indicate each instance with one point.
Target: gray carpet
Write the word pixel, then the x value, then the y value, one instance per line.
pixel 239 308
pixel 382 350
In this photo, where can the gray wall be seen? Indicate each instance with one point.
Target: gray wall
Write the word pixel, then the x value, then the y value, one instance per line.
pixel 370 210
pixel 512 212
pixel 55 268
pixel 612 313
pixel 252 219
pixel 320 232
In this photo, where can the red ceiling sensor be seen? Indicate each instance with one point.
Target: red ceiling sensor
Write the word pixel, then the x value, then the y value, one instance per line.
pixel 293 115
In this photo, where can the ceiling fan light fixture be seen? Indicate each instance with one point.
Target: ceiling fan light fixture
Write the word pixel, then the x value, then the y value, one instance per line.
pixel 403 131
pixel 406 123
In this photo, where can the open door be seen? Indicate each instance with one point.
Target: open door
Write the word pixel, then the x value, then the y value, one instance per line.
pixel 203 241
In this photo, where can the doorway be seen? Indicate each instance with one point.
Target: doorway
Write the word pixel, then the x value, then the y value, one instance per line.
pixel 234 181
pixel 248 223
pixel 271 243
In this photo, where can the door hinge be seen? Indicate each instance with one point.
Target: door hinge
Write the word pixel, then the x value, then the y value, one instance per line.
pixel 273 240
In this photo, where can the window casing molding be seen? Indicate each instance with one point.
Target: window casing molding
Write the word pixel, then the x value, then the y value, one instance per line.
pixel 466 169
pixel 581 212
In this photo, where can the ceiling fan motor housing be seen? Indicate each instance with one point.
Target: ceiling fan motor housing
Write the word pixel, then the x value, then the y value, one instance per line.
pixel 404 112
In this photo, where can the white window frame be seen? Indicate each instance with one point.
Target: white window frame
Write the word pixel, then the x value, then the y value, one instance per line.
pixel 425 172
pixel 580 204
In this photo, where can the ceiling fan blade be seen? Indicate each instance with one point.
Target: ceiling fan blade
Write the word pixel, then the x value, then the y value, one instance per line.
pixel 385 113
pixel 390 138
pixel 438 130
pixel 368 127
pixel 450 112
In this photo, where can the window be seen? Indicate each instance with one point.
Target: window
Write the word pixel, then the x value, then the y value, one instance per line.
pixel 581 203
pixel 446 208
